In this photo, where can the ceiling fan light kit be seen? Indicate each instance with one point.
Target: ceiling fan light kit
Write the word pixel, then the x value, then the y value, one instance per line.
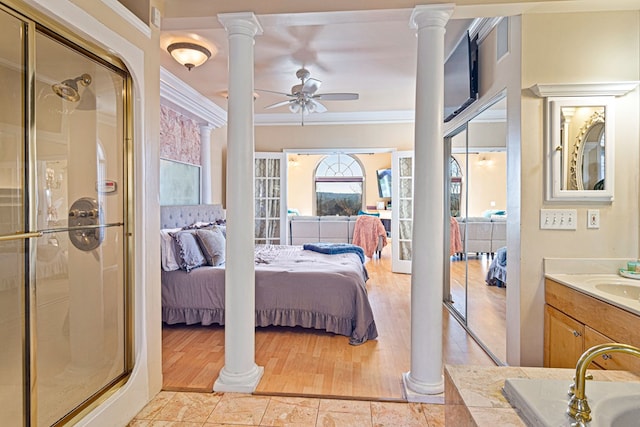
pixel 303 96
pixel 189 54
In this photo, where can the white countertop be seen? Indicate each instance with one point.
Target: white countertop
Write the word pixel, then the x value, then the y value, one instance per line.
pixel 480 390
pixel 592 284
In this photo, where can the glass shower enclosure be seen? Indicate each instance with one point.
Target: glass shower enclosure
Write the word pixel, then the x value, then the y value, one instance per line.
pixel 63 225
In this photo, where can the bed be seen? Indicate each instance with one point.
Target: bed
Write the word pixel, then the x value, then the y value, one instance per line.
pixel 294 287
pixel 497 272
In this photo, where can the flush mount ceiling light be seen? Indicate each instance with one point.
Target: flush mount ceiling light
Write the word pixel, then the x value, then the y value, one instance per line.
pixel 189 54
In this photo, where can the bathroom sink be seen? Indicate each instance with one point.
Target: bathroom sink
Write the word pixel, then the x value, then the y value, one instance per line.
pixel 625 291
pixel 543 402
pixel 621 411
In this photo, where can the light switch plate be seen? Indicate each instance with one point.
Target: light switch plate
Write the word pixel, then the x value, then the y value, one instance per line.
pixel 558 219
pixel 593 218
pixel 156 17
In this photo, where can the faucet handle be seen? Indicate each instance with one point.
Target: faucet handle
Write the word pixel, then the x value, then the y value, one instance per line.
pixel 572 387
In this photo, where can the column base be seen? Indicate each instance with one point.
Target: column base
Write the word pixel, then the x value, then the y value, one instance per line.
pixel 416 391
pixel 246 382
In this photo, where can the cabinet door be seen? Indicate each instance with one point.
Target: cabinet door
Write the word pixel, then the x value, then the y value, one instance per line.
pixel 563 339
pixel 615 361
pixel 270 188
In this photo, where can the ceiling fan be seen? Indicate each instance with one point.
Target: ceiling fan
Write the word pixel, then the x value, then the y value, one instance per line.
pixel 304 98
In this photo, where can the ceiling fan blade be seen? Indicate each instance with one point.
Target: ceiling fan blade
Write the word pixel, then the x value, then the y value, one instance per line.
pixel 337 96
pixel 273 91
pixel 279 104
pixel 317 107
pixel 311 86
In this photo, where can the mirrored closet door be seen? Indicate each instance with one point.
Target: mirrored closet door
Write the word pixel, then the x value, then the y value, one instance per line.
pixel 476 187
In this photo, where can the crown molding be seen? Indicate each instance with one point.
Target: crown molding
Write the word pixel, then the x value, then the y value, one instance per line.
pixel 483 26
pixel 335 118
pixel 189 102
pixel 584 89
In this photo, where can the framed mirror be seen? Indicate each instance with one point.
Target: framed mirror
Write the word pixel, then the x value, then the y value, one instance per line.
pixel 580 148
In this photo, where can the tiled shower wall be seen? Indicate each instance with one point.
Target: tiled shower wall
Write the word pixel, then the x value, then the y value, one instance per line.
pixel 179 137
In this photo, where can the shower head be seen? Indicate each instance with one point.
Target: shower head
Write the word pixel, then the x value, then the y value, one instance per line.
pixel 68 89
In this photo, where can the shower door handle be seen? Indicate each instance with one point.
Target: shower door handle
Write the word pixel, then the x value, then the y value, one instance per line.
pixel 20 236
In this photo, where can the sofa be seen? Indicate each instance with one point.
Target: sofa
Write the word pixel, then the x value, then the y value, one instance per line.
pixel 325 229
pixel 311 229
pixel 483 235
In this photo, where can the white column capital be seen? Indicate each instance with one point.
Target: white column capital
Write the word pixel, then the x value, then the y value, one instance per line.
pixel 245 23
pixel 432 15
pixel 205 128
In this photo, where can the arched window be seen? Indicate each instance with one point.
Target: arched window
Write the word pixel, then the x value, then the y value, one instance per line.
pixel 455 186
pixel 338 185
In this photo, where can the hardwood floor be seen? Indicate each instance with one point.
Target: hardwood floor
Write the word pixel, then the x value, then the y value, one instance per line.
pixel 486 305
pixel 304 362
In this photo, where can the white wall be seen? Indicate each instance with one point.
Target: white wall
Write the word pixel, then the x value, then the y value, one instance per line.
pixel 278 138
pixel 485 181
pixel 568 48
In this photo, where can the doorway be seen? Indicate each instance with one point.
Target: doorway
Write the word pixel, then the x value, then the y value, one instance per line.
pixel 64 318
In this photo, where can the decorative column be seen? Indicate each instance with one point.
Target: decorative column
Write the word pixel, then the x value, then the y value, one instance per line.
pixel 426 376
pixel 240 372
pixel 205 162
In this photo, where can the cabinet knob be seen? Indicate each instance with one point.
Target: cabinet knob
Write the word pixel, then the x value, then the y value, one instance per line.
pixel 607 356
pixel 576 334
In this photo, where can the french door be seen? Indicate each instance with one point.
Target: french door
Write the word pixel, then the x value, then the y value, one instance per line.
pixel 63 228
pixel 401 211
pixel 270 204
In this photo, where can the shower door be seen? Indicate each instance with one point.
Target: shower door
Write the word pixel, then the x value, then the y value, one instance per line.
pixel 14 240
pixel 63 239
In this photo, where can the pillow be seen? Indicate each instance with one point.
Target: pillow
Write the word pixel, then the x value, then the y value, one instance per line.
pixel 212 243
pixel 168 255
pixel 189 254
pixel 367 213
pixel 199 224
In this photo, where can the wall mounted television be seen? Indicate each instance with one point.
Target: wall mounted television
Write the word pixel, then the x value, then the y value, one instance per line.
pixel 384 182
pixel 461 77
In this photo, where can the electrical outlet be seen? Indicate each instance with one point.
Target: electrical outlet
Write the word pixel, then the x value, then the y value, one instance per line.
pixel 593 218
pixel 558 219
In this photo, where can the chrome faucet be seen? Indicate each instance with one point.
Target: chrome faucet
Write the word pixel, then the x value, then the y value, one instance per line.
pixel 578 406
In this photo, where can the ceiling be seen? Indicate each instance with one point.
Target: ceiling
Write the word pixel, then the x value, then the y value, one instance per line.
pixel 372 53
pixel 358 46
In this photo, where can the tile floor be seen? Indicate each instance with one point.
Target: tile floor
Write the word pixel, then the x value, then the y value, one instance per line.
pixel 170 409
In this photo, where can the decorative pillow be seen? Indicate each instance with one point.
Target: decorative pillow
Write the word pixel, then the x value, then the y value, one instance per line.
pixel 169 257
pixel 196 225
pixel 212 243
pixel 189 254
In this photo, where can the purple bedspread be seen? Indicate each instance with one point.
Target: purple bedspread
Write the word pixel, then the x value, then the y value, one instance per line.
pixel 294 287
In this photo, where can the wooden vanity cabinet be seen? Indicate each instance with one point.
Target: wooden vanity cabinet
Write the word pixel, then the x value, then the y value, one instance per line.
pixel 563 339
pixel 575 322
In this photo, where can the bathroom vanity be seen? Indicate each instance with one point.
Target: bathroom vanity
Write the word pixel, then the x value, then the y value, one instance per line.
pixel 474 394
pixel 584 310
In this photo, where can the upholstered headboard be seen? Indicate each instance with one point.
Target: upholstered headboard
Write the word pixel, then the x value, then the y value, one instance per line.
pixel 182 215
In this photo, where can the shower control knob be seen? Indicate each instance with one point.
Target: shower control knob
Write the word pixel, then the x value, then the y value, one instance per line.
pixel 84 215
